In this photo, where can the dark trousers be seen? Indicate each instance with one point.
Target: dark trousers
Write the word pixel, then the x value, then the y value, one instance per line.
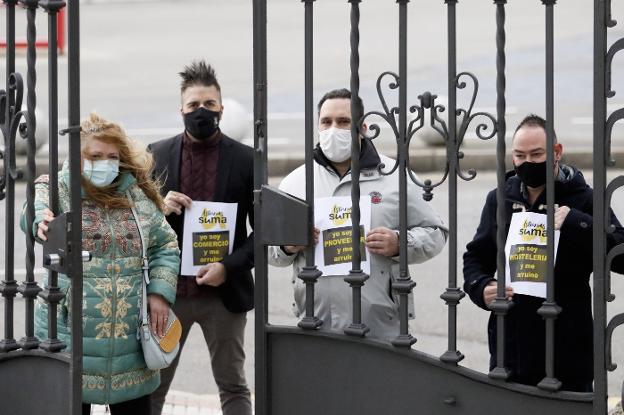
pixel 138 406
pixel 224 333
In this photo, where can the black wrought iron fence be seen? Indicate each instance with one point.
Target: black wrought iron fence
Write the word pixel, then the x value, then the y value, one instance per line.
pixel 32 365
pixel 335 372
pixel 287 355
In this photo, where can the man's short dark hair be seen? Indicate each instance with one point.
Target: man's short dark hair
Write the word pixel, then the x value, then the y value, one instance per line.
pixel 198 73
pixel 533 120
pixel 341 93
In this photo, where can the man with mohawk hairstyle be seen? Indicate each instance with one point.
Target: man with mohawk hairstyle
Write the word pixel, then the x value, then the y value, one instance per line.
pixel 203 164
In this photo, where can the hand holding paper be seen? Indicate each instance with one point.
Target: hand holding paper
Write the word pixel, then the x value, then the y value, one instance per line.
pixel 175 201
pixel 383 241
pixel 489 292
pixel 561 213
pixel 211 274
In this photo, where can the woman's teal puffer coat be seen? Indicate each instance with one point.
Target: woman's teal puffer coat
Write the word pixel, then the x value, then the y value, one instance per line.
pixel 113 367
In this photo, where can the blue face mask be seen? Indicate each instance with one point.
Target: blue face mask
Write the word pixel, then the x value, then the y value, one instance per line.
pixel 100 173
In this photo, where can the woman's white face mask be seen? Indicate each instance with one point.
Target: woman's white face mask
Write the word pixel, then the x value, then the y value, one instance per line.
pixel 100 173
pixel 335 144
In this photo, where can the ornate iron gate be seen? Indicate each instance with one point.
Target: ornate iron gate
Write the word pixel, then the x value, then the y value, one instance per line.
pixel 335 373
pixel 36 375
pixel 288 355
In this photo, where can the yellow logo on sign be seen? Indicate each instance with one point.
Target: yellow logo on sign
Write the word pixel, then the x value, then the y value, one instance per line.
pixel 339 215
pixel 530 231
pixel 210 219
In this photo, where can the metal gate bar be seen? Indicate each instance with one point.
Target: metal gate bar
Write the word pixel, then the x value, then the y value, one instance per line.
pixel 356 277
pixel 601 221
pixel 75 254
pixel 613 186
pixel 501 304
pixel 549 309
pixel 452 295
pixel 29 288
pixel 9 286
pixel 260 179
pixel 309 273
pixel 52 293
pixel 404 284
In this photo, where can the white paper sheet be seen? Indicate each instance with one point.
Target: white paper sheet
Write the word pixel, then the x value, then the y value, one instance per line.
pixel 209 229
pixel 525 254
pixel 332 216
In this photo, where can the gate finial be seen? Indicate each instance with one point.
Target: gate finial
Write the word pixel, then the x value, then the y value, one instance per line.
pixel 52 6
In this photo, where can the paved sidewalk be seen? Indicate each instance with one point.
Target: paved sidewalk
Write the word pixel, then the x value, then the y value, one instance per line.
pixel 182 403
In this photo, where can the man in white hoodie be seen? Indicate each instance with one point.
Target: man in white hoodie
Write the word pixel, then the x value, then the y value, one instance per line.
pixel 426 233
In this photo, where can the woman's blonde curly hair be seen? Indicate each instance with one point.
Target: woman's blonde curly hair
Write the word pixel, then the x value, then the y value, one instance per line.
pixel 132 159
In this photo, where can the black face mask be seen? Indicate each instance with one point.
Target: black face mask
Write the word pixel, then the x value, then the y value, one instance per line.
pixel 532 174
pixel 201 123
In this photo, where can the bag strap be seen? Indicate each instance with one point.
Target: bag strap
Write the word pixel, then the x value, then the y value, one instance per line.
pixel 145 267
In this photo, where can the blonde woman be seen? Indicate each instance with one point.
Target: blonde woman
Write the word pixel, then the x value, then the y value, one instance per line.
pixel 115 175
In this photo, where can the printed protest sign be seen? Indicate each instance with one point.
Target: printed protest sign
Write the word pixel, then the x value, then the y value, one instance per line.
pixel 334 251
pixel 209 229
pixel 525 253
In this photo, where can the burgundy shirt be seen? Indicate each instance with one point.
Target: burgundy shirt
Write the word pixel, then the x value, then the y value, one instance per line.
pixel 198 180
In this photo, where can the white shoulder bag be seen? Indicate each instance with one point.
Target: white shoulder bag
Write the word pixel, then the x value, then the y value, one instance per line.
pixel 159 352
